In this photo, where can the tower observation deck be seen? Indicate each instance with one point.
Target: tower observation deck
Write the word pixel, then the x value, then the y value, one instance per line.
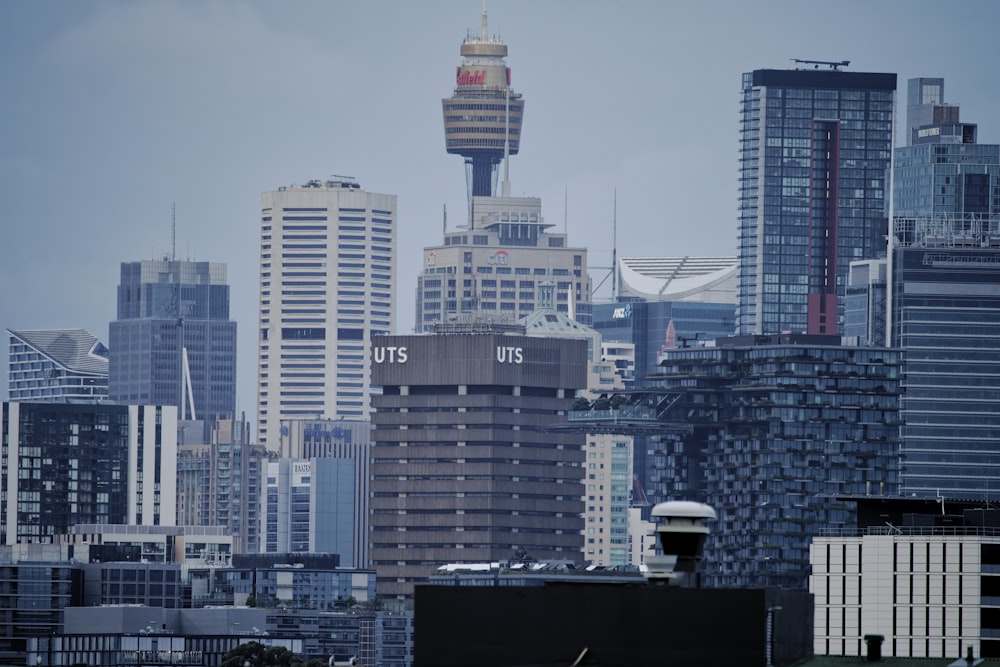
pixel 482 120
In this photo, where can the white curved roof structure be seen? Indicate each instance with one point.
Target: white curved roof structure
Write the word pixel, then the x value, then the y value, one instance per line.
pixel 704 279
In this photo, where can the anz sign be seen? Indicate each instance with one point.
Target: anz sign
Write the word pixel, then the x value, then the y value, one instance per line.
pixel 622 313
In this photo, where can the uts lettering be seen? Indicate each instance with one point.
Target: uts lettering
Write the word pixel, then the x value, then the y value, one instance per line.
pixel 392 355
pixel 465 77
pixel 509 355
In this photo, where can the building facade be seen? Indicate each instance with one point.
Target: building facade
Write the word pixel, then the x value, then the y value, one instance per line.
pixel 65 464
pixel 945 300
pixel 310 506
pixel 464 465
pixel 57 365
pixel 815 145
pixel 782 425
pixel 173 342
pixel 924 574
pixel 219 483
pixel 495 266
pixel 327 270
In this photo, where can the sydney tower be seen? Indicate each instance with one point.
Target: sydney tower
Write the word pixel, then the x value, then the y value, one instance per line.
pixel 482 120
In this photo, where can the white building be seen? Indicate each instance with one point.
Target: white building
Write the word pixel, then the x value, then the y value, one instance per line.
pixel 327 269
pixel 931 590
pixel 495 265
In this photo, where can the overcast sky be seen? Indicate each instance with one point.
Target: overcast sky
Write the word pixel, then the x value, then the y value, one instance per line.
pixel 112 111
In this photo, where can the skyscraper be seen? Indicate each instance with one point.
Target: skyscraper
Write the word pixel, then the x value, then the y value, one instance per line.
pixel 173 342
pixel 482 120
pixel 815 146
pixel 327 269
pixel 945 300
pixel 57 365
pixel 464 467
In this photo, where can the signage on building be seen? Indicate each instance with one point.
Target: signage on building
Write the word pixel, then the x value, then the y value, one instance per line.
pixel 510 355
pixel 469 77
pixel 431 258
pixel 929 132
pixel 299 468
pixel 622 313
pixel 498 258
pixel 324 432
pixel 389 354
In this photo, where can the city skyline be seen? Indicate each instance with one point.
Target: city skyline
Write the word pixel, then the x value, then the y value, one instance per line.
pixel 118 110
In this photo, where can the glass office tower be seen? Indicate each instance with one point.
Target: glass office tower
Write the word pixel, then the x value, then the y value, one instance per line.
pixel 946 300
pixel 164 308
pixel 814 148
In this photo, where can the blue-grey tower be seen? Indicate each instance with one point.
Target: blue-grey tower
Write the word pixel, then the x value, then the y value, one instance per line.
pixel 173 342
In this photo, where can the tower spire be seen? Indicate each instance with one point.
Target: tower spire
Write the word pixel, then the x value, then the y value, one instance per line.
pixel 483 33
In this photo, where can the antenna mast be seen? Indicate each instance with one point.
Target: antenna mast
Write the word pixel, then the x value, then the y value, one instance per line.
pixel 173 231
pixel 614 248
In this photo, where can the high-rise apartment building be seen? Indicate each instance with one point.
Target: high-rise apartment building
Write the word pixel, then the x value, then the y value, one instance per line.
pixel 71 463
pixel 57 365
pixel 495 266
pixel 327 271
pixel 945 300
pixel 219 483
pixel 173 342
pixel 465 467
pixel 771 431
pixel 815 145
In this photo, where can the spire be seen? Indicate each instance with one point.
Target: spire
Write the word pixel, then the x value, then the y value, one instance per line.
pixel 483 34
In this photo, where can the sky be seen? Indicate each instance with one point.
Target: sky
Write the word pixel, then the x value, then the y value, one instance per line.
pixel 119 117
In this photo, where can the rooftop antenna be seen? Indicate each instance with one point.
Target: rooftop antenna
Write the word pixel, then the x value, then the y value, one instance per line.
pixel 444 220
pixel 482 30
pixel 565 209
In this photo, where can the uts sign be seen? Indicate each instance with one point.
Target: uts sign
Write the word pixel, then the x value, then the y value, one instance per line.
pixel 400 355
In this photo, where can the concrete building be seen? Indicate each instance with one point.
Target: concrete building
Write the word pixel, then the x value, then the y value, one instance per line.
pixel 922 574
pixel 68 463
pixel 197 545
pixel 494 267
pixel 327 270
pixel 815 144
pixel 173 342
pixel 464 466
pixel 945 300
pixel 57 365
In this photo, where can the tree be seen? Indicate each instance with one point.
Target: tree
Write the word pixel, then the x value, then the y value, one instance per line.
pixel 581 404
pixel 256 654
pixel 603 403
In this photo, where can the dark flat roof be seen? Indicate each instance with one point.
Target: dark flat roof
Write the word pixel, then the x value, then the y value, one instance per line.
pixel 834 79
